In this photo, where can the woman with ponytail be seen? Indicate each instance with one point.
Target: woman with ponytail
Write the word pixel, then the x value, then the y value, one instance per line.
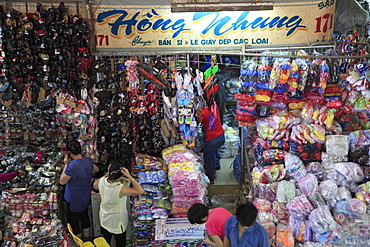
pixel 114 217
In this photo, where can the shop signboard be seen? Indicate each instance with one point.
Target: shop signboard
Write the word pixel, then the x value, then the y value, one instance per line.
pixel 156 28
pixel 177 228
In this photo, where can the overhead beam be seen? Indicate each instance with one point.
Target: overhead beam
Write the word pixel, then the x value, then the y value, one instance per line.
pixel 221 6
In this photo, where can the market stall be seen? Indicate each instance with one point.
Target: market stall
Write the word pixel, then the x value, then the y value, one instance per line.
pixel 304 182
pixel 130 96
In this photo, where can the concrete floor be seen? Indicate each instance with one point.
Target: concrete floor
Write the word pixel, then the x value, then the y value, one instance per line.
pixel 225 190
pixel 225 176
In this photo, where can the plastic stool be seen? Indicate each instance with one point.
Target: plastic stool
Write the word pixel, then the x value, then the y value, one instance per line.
pixel 101 242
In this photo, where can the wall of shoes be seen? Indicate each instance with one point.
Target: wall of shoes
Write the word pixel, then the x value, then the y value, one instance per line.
pixel 44 63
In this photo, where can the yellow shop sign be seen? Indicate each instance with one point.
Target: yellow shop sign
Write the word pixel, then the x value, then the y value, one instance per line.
pixel 156 28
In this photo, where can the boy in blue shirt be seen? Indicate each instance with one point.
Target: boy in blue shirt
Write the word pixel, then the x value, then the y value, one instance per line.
pixel 242 230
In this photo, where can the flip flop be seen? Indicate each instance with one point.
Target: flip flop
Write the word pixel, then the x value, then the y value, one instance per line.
pixel 4 86
pixel 181 118
pixel 179 80
pixel 182 137
pixel 190 91
pixel 165 129
pixel 190 113
pixel 199 76
pixel 182 127
pixel 209 79
pixel 193 124
pixel 210 71
pixel 181 97
pixel 186 131
pixel 207 73
pixel 187 81
pixel 191 142
pixel 187 100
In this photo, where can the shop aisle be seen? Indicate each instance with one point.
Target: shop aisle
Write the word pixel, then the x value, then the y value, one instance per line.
pixel 225 176
pixel 225 182
pixel 225 186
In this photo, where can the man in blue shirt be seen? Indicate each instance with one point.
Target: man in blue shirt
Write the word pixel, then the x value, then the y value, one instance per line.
pixel 242 230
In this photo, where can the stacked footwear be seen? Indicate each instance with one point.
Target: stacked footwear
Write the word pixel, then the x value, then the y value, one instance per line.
pixel 42 54
pixel 186 109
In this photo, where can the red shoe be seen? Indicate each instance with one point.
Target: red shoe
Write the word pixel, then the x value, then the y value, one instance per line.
pixel 334 104
pixel 245 97
pixel 243 118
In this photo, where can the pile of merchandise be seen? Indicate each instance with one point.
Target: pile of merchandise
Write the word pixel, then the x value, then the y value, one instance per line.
pixel 186 176
pixel 171 185
pixel 29 204
pixel 154 204
pixel 290 84
pixel 189 93
pixel 34 45
pixel 228 150
pixel 310 148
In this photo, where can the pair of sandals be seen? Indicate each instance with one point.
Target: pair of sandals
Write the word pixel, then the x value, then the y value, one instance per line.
pixel 132 75
pixel 168 131
pixel 168 128
pixel 209 75
pixel 188 134
pixel 185 114
pixel 185 96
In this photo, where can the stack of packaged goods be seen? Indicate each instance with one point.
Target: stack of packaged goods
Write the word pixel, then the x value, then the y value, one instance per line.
pixel 359 144
pixel 311 200
pixel 154 203
pixel 310 171
pixel 228 150
pixel 186 176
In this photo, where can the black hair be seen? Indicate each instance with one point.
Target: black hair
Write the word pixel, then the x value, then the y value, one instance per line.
pixel 114 171
pixel 209 102
pixel 74 147
pixel 197 212
pixel 246 214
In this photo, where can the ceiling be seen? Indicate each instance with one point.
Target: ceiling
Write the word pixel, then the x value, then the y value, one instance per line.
pixel 168 2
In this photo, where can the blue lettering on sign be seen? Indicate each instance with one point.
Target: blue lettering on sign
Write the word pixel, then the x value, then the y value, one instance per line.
pixel 259 41
pixel 144 25
pixel 240 41
pixel 152 21
pixel 164 42
pixel 222 26
pixel 183 233
pixel 326 3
